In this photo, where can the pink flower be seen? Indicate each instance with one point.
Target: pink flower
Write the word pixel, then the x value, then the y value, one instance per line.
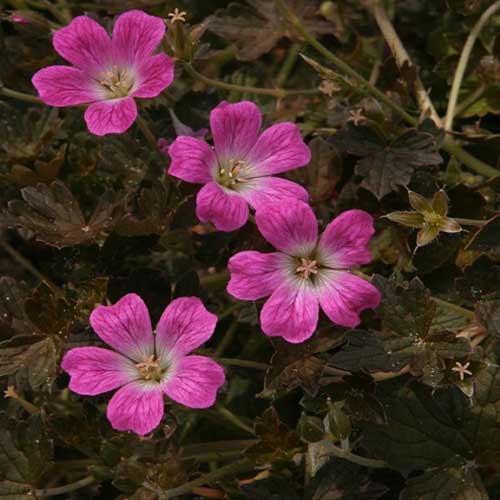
pixel 147 365
pixel 238 172
pixel 107 73
pixel 305 273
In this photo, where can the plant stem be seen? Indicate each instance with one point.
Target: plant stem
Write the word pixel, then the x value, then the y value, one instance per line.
pixel 149 136
pixel 277 93
pixel 24 262
pixel 230 310
pixel 288 65
pixel 215 279
pixel 330 56
pixel 67 488
pixel 234 419
pixel 243 363
pixel 402 57
pixel 469 222
pixel 451 147
pixel 356 459
pixel 448 144
pixel 470 99
pixel 20 96
pixel 226 339
pixel 228 470
pixel 462 63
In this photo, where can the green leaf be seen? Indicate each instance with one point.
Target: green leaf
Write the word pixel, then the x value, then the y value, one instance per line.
pixel 444 484
pixel 342 480
pixel 487 238
pixel 54 216
pixel 406 309
pixel 25 455
pixel 371 351
pixel 387 164
pixel 488 314
pixel 257 27
pixel 428 428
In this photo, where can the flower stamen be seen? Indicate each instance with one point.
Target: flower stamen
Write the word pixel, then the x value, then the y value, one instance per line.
pixel 150 369
pixel 232 173
pixel 118 82
pixel 307 268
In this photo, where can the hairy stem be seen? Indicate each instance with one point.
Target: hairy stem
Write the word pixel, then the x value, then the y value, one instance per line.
pixel 228 470
pixel 462 63
pixel 469 222
pixel 277 93
pixel 67 488
pixel 20 96
pixel 402 57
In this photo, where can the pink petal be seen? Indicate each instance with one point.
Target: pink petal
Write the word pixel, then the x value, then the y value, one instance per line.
pixel 184 325
pixel 344 242
pixel 343 296
pixel 254 274
pixel 125 326
pixel 136 407
pixel 94 370
pixel 278 149
pixel 192 160
pixel 113 116
pixel 271 190
pixel 227 211
pixel 85 44
pixel 290 226
pixel 64 86
pixel 291 312
pixel 235 128
pixel 196 382
pixel 155 75
pixel 136 35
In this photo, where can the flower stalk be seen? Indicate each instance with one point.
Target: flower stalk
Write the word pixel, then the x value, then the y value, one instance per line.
pixel 449 145
pixel 276 93
pixel 462 63
pixel 67 488
pixel 238 467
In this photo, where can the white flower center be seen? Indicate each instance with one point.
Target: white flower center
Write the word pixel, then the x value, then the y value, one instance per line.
pixel 306 268
pixel 117 82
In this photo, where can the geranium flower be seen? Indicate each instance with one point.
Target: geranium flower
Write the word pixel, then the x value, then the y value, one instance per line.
pixel 107 73
pixel 305 273
pixel 146 366
pixel 237 172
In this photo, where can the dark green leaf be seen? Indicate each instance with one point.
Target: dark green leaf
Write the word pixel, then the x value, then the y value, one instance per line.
pixel 446 484
pixel 54 216
pixel 487 238
pixel 342 480
pixel 387 165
